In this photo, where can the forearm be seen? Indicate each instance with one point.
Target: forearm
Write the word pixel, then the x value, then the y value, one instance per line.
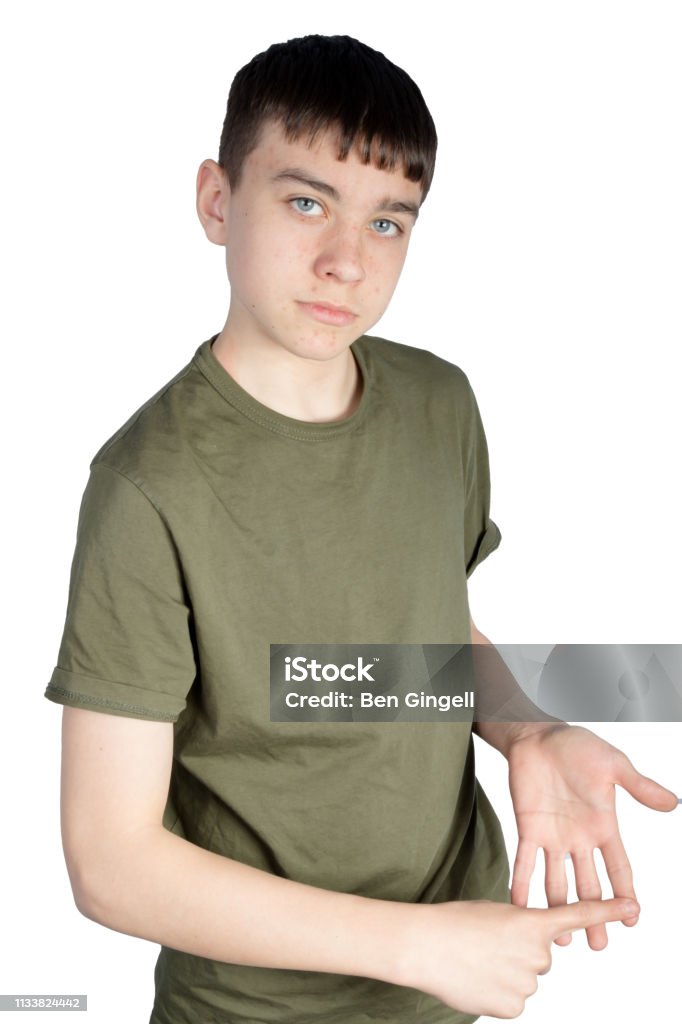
pixel 165 889
pixel 492 674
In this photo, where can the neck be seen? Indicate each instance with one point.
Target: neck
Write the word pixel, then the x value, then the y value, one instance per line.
pixel 312 390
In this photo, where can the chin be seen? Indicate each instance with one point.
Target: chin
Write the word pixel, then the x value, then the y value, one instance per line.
pixel 325 346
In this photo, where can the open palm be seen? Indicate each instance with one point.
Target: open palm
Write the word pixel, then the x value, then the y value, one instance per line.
pixel 562 783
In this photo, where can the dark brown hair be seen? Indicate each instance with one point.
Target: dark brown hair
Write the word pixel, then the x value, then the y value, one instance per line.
pixel 319 83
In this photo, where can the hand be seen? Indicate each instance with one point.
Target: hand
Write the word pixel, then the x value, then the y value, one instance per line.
pixel 562 780
pixel 484 958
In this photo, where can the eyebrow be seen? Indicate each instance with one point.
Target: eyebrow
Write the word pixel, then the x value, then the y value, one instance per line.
pixel 302 178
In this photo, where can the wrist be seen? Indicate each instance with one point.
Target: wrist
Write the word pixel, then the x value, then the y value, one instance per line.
pixel 505 735
pixel 368 937
pixel 524 730
pixel 408 940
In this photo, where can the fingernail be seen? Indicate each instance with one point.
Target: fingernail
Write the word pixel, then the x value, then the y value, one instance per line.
pixel 631 908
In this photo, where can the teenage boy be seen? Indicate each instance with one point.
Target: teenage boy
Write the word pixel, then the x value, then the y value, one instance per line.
pixel 299 481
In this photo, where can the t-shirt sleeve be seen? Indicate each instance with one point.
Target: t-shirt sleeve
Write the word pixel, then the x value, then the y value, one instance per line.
pixel 481 534
pixel 127 644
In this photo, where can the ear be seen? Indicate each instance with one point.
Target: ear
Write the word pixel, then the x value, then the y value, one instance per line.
pixel 213 196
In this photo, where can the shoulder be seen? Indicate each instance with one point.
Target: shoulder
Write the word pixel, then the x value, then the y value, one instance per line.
pixel 416 371
pixel 409 359
pixel 155 442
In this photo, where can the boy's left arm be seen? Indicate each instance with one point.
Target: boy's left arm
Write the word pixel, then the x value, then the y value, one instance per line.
pixel 562 780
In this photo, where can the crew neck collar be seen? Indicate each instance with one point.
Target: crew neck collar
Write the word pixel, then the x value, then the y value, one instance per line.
pixel 302 430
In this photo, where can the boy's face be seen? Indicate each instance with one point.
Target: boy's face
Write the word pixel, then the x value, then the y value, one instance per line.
pixel 315 245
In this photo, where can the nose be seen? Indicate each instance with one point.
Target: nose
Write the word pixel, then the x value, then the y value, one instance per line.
pixel 340 255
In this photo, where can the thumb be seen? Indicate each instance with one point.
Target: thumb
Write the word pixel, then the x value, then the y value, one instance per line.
pixel 573 916
pixel 645 790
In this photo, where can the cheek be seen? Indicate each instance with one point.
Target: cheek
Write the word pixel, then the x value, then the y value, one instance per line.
pixel 255 265
pixel 383 271
pixel 263 259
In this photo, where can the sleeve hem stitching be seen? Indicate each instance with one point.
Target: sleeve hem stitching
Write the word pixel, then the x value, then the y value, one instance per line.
pixel 107 703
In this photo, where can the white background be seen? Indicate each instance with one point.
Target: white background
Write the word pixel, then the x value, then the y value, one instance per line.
pixel 546 263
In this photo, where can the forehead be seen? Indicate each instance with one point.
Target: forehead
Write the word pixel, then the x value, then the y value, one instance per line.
pixel 274 153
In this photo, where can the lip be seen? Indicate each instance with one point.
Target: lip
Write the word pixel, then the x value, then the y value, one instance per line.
pixel 329 313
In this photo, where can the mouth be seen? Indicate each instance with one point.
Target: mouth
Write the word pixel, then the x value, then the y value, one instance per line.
pixel 329 313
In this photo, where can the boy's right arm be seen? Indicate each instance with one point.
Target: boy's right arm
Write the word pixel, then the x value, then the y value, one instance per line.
pixel 131 874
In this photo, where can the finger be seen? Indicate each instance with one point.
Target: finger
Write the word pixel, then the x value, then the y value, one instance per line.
pixel 556 885
pixel 587 914
pixel 647 791
pixel 524 865
pixel 588 887
pixel 619 871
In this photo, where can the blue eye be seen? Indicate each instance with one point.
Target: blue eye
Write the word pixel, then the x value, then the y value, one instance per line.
pixel 305 205
pixel 385 227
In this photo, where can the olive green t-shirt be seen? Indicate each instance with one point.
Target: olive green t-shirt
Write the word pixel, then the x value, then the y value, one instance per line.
pixel 212 527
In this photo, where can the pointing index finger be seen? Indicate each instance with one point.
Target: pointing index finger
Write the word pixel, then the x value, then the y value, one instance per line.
pixel 585 913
